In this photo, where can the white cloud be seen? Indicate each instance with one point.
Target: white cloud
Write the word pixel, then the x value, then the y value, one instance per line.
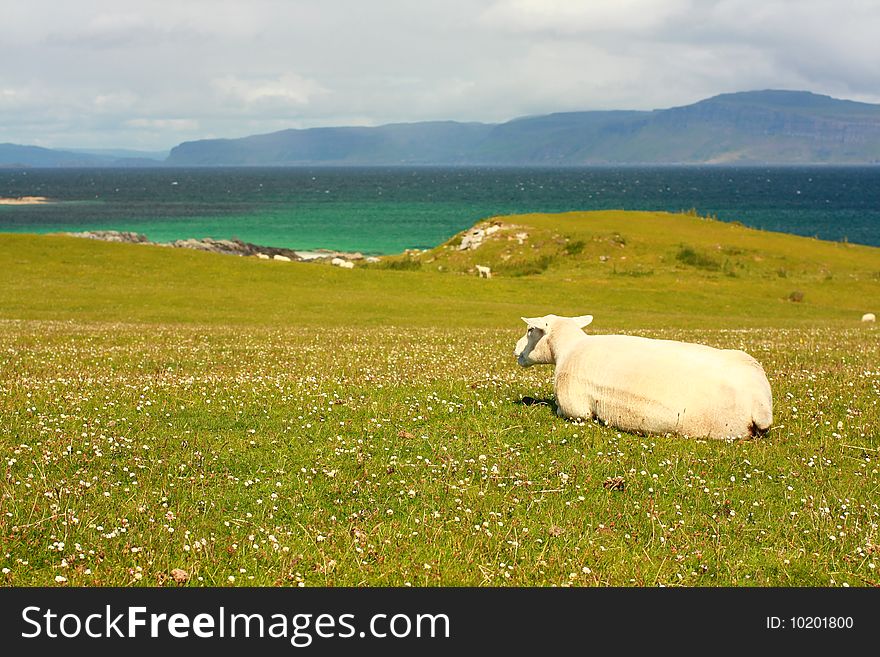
pixel 285 90
pixel 580 16
pixel 13 99
pixel 115 101
pixel 176 125
pixel 123 72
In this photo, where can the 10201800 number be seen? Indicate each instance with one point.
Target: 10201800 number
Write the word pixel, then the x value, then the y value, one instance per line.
pixel 821 622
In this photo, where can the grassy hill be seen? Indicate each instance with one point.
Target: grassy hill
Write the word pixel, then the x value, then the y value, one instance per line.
pixel 627 268
pixel 640 262
pixel 264 423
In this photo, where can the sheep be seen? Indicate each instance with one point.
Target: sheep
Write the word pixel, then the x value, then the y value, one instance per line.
pixel 280 258
pixel 644 385
pixel 262 256
pixel 340 262
pixel 484 272
pixel 869 317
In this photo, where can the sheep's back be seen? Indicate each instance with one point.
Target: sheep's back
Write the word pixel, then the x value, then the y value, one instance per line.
pixel 641 384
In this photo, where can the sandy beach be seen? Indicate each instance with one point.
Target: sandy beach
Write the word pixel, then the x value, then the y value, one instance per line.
pixel 24 200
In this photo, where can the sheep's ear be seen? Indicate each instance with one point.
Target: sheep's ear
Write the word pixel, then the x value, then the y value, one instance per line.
pixel 583 320
pixel 537 322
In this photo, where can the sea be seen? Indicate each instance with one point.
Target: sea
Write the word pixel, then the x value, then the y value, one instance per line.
pixel 382 210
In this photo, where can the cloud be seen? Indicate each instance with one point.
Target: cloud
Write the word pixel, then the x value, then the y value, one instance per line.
pixel 14 99
pixel 117 73
pixel 116 101
pixel 285 90
pixel 123 26
pixel 830 46
pixel 579 17
pixel 176 125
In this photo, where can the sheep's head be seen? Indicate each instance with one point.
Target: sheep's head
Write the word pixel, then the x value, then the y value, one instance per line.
pixel 534 347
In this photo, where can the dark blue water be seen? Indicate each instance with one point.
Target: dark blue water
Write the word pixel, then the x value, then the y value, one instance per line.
pixel 386 210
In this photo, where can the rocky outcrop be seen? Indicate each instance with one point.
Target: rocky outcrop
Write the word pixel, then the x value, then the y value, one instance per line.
pixel 473 238
pixel 112 236
pixel 476 236
pixel 327 254
pixel 234 247
pixel 225 247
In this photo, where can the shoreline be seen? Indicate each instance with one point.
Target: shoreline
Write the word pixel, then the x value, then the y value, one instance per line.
pixel 226 247
pixel 24 200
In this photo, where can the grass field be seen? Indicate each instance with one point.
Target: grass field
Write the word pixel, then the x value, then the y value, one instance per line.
pixel 263 423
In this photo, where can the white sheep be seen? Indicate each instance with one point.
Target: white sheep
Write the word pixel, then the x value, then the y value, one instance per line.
pixel 644 385
pixel 484 272
pixel 280 258
pixel 869 317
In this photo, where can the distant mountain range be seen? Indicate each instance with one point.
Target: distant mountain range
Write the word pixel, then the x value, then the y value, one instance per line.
pixel 15 155
pixel 754 127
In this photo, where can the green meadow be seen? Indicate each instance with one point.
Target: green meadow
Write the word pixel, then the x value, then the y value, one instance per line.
pixel 178 418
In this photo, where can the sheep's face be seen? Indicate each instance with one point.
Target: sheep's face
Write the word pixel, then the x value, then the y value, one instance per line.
pixel 534 347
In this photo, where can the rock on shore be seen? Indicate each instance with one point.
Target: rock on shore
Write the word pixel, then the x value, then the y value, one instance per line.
pixel 226 247
pixel 112 236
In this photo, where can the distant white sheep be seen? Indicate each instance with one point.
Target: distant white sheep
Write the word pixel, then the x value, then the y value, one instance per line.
pixel 262 256
pixel 484 272
pixel 280 258
pixel 649 386
pixel 341 262
pixel 869 317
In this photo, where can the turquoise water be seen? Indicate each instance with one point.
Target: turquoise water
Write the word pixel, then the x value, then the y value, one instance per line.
pixel 386 210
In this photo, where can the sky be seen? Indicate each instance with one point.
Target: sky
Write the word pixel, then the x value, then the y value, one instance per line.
pixel 150 74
